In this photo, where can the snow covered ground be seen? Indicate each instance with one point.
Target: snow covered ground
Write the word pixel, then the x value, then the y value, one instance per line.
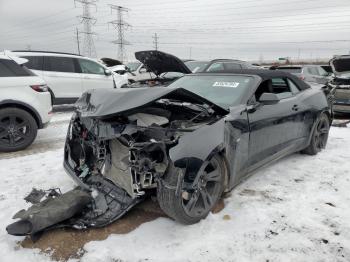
pixel 297 209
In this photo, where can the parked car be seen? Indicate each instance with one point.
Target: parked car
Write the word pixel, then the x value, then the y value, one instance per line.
pixel 220 65
pixel 308 73
pixel 186 144
pixel 138 72
pixel 25 104
pixel 70 75
pixel 163 68
pixel 341 83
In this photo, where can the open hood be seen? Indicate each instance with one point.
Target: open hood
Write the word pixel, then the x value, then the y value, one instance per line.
pixel 159 62
pixel 109 62
pixel 341 66
pixel 111 102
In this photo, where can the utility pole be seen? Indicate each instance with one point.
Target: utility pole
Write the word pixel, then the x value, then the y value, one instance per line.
pixel 120 25
pixel 78 42
pixel 87 20
pixel 155 41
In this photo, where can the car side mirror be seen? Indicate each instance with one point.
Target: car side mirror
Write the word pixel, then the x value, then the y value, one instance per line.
pixel 108 72
pixel 269 98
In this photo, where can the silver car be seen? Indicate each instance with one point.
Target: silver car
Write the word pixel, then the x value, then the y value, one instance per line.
pixel 309 73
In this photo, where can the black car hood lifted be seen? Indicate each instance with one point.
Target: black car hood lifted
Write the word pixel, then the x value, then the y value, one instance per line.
pixel 106 103
pixel 159 62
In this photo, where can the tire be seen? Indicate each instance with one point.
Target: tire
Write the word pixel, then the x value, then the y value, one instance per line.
pixel 18 129
pixel 319 136
pixel 182 198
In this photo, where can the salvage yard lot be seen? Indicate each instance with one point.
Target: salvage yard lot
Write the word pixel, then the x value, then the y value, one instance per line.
pixel 297 209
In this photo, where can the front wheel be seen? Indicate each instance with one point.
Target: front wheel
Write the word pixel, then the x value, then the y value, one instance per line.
pixel 18 129
pixel 319 136
pixel 189 198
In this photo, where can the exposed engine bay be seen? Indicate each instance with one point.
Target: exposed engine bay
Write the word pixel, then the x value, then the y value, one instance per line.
pixel 132 150
pixel 118 160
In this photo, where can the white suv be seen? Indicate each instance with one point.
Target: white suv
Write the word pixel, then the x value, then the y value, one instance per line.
pixel 69 75
pixel 25 104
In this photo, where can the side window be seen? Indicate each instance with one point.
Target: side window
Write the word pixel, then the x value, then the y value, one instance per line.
pixel 34 62
pixel 232 66
pixel 90 67
pixel 216 67
pixel 59 64
pixel 281 88
pixel 277 86
pixel 293 87
pixel 9 68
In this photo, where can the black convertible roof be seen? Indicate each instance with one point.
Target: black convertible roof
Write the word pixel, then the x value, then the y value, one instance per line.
pixel 265 74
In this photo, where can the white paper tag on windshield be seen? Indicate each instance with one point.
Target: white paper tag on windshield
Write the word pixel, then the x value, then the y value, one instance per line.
pixel 226 84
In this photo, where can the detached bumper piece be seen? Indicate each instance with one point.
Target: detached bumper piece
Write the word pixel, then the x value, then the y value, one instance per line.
pixel 77 209
pixel 49 212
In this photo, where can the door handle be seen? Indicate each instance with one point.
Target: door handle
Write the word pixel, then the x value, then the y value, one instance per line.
pixel 295 108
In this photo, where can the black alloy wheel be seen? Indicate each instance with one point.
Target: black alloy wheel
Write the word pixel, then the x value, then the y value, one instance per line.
pixel 190 197
pixel 199 194
pixel 319 137
pixel 18 129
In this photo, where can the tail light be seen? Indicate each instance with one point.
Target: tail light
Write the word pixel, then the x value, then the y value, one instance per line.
pixel 40 88
pixel 302 77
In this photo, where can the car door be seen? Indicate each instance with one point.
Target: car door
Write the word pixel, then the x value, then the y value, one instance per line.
pixel 273 127
pixel 94 75
pixel 63 77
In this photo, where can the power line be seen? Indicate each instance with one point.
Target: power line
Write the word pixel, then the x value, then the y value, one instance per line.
pixel 87 20
pixel 28 22
pixel 120 25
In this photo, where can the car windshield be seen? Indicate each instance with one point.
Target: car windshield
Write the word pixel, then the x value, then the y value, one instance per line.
pixel 196 66
pixel 223 90
pixel 293 70
pixel 133 66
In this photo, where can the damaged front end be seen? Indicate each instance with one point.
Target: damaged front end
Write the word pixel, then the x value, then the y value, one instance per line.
pixel 118 156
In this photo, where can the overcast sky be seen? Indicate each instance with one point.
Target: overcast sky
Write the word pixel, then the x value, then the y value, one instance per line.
pixel 197 29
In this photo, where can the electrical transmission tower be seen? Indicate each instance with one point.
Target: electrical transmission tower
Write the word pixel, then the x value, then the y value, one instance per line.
pixel 120 25
pixel 155 41
pixel 87 20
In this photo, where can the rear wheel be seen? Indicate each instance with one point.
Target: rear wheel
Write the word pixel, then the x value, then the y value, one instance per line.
pixel 190 198
pixel 18 129
pixel 319 136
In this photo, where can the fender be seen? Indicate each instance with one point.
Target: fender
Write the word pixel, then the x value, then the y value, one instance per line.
pixel 197 147
pixel 26 107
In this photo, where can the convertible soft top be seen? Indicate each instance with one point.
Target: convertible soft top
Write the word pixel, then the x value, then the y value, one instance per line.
pixel 264 74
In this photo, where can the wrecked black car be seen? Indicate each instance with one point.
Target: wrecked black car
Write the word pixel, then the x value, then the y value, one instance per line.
pixel 185 144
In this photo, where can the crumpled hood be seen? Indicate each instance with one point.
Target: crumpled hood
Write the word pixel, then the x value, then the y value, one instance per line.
pixel 159 62
pixel 109 102
pixel 341 66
